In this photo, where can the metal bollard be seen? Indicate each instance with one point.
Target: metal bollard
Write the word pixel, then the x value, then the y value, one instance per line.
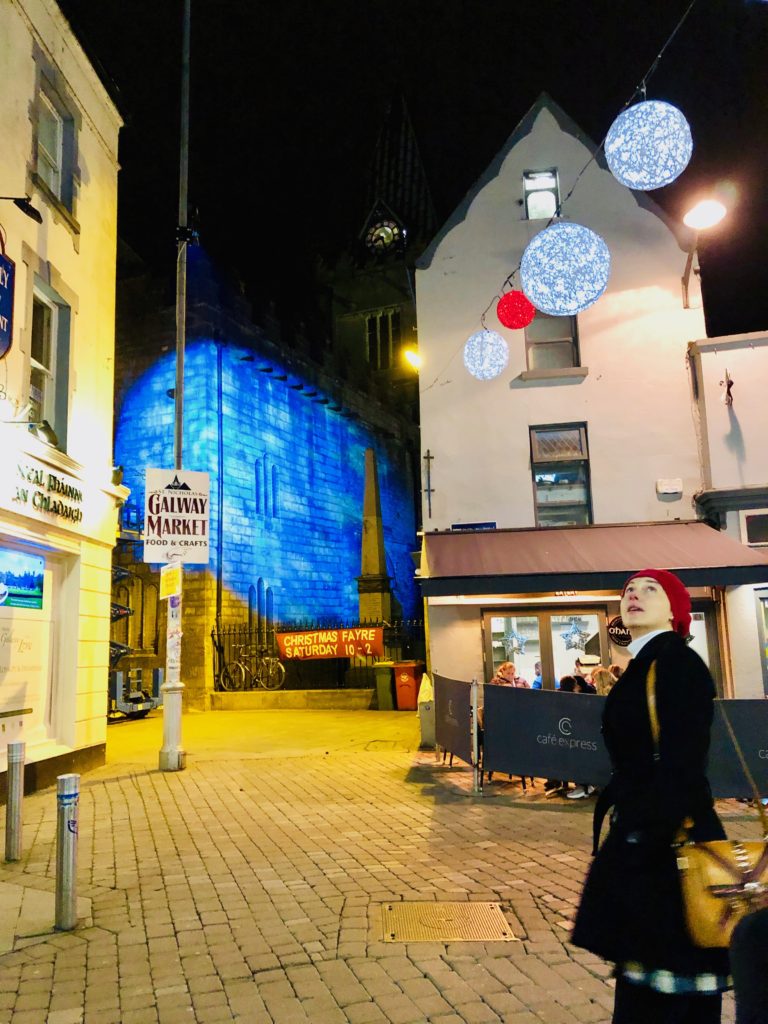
pixel 15 801
pixel 67 801
pixel 473 702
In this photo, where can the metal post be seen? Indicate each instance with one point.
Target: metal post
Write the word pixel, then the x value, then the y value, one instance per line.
pixel 686 278
pixel 475 741
pixel 182 240
pixel 172 758
pixel 67 802
pixel 15 801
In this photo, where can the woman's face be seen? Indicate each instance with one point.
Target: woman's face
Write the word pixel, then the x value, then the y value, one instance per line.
pixel 645 607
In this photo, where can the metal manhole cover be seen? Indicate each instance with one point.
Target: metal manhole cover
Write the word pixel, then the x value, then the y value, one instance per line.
pixel 445 922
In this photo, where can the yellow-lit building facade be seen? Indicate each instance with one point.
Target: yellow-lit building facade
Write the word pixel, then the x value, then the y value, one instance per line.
pixel 58 502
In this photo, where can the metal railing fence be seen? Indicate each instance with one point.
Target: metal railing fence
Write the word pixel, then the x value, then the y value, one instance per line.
pixel 403 641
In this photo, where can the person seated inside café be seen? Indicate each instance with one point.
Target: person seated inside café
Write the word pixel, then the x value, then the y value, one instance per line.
pixel 506 675
pixel 585 666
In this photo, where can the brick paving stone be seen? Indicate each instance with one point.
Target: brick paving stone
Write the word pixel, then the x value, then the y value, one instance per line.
pixel 323 1010
pixel 145 1015
pixel 400 1009
pixel 65 1017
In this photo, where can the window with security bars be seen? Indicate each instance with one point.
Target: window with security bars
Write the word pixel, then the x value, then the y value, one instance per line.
pixel 382 338
pixel 540 194
pixel 560 470
pixel 551 342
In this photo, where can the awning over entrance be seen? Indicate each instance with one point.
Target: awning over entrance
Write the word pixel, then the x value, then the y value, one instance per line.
pixel 583 558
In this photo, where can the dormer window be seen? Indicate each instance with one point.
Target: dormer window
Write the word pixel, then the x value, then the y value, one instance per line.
pixel 541 194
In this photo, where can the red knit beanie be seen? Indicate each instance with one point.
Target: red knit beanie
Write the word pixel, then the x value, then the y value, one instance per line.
pixel 679 598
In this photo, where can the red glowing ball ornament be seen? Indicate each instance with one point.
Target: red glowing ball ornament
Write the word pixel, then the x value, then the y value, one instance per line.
pixel 515 310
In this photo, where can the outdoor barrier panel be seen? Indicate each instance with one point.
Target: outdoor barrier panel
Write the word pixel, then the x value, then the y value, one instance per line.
pixel 557 736
pixel 749 719
pixel 544 733
pixel 453 721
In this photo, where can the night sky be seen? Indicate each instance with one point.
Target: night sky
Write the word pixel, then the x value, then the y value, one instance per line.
pixel 288 100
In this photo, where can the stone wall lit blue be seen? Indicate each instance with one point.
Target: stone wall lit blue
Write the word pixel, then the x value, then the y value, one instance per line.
pixel 293 473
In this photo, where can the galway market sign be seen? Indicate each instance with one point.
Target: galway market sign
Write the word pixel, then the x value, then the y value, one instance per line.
pixel 176 516
pixel 354 642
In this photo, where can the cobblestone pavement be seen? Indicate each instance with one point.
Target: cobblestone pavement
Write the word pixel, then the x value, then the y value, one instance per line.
pixel 251 890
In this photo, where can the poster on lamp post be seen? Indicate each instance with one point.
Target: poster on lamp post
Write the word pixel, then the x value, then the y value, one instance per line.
pixel 176 516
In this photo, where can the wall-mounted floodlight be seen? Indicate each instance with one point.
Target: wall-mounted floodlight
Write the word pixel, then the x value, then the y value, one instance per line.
pixel 704 215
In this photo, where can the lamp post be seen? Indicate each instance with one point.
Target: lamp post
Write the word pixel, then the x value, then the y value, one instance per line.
pixel 172 757
pixel 705 214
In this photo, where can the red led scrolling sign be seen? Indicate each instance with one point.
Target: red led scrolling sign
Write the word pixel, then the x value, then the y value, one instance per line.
pixel 353 642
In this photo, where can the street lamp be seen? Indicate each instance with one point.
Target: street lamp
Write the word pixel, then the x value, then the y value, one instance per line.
pixel 704 215
pixel 23 203
pixel 412 357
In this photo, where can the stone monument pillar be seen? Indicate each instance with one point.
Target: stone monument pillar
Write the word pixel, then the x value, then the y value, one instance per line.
pixel 375 598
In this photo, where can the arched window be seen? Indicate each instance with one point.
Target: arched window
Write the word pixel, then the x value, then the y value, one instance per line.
pixel 275 493
pixel 261 624
pixel 252 606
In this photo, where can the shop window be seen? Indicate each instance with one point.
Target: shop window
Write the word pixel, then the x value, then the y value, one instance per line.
pixel 48 382
pixel 541 194
pixel 754 527
pixel 551 342
pixel 382 338
pixel 560 470
pixel 543 644
pixel 515 638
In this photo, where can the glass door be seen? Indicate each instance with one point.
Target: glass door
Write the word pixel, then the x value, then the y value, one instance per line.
pixel 573 634
pixel 514 638
pixel 543 644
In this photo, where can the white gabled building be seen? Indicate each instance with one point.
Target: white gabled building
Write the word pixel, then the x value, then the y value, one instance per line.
pixel 58 504
pixel 547 485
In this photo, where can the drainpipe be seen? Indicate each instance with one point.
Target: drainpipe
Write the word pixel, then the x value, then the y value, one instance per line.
pixel 220 482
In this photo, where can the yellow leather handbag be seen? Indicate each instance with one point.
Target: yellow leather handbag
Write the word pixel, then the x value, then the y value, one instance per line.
pixel 723 880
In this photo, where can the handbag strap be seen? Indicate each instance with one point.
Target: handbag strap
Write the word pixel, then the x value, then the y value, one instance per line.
pixel 653 715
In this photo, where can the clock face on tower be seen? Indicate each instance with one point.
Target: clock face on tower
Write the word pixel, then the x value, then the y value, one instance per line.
pixel 383 235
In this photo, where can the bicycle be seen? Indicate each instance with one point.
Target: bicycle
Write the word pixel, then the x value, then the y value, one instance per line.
pixel 252 665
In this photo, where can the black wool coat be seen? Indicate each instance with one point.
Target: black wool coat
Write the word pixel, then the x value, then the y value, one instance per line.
pixel 631 907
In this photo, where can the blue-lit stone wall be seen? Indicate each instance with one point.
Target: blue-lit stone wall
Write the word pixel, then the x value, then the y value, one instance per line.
pixel 293 473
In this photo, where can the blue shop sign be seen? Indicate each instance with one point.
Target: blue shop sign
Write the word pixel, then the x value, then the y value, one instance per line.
pixel 7 277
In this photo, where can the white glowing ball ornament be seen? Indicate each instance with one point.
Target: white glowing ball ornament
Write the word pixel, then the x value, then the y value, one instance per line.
pixel 565 269
pixel 648 145
pixel 485 355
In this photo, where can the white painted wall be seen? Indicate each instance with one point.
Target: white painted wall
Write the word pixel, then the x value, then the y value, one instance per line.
pixel 733 437
pixel 635 399
pixel 455 641
pixel 80 266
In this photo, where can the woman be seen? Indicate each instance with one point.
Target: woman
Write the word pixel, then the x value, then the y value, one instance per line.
pixel 506 675
pixel 631 909
pixel 603 680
